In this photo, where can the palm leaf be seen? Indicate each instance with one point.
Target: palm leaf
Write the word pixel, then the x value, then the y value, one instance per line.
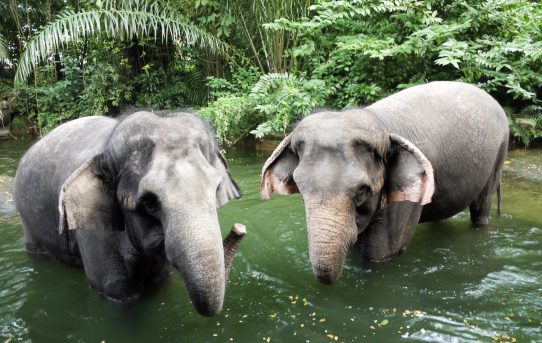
pixel 3 49
pixel 122 20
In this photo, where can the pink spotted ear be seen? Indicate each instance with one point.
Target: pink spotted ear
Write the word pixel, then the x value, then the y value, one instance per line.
pixel 409 173
pixel 277 172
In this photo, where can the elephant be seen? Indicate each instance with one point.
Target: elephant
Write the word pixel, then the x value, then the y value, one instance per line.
pixel 367 176
pixel 127 199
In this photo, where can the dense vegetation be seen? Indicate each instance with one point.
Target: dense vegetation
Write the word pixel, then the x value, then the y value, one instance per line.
pixel 255 67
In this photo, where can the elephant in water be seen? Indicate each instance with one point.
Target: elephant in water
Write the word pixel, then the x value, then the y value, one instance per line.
pixel 126 198
pixel 368 176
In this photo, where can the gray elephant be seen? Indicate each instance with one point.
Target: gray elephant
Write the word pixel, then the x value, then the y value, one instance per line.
pixel 142 194
pixel 368 176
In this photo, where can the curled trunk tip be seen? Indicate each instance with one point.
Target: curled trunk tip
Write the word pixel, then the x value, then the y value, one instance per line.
pixel 231 243
pixel 239 229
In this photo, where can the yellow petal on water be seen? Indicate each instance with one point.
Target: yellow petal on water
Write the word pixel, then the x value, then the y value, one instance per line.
pixel 322 320
pixel 330 336
pixel 301 325
pixel 372 327
pixel 507 318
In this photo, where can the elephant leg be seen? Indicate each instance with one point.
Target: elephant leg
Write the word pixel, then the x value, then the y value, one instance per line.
pixel 32 246
pixel 108 269
pixel 481 206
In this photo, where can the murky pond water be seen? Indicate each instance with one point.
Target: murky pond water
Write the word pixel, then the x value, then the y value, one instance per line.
pixel 454 283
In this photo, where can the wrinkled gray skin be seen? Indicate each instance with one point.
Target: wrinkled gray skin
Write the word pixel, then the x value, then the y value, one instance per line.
pixel 141 191
pixel 367 176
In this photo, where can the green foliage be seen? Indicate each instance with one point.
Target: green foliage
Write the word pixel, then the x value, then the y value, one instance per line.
pixel 283 98
pixel 260 66
pixel 119 19
pixel 368 49
pixel 231 116
pixel 273 104
pixel 526 126
pixel 241 82
pixel 178 85
pixel 99 87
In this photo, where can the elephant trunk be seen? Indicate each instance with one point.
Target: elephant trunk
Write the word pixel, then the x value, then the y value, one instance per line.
pixel 194 248
pixel 231 243
pixel 332 231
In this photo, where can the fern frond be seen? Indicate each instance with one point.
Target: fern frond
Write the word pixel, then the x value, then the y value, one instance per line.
pixel 270 81
pixel 122 20
pixel 532 111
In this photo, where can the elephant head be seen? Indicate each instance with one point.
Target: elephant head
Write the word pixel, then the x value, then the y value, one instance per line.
pixel 160 179
pixel 351 173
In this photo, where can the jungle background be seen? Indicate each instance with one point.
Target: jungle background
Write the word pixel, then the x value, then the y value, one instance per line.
pixel 253 68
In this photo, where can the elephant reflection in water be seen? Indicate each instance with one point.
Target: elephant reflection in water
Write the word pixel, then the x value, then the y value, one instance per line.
pixel 128 198
pixel 368 176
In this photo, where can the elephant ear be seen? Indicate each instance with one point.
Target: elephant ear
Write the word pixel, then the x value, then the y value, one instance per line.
pixel 277 172
pixel 227 189
pixel 409 174
pixel 86 202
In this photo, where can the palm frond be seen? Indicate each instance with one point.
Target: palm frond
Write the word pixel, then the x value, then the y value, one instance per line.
pixel 123 20
pixel 3 48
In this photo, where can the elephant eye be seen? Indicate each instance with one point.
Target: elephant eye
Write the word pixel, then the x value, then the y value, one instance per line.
pixel 149 203
pixel 361 196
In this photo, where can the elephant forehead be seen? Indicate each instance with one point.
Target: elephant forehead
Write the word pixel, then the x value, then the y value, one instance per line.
pixel 340 138
pixel 187 172
pixel 330 128
pixel 146 125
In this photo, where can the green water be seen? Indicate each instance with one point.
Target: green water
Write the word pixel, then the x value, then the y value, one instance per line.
pixel 453 284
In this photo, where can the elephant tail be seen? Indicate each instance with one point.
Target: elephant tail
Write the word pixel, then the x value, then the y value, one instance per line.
pixel 499 199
